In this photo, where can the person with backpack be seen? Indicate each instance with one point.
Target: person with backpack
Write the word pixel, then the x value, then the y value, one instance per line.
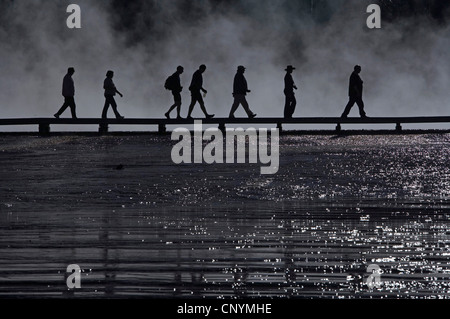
pixel 173 84
pixel 196 88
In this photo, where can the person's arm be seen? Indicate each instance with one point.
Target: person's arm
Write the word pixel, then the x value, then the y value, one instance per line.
pixel 198 82
pixel 293 83
pixel 115 89
pixel 246 86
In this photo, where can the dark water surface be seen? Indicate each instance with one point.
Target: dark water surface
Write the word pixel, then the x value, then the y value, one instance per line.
pixel 156 229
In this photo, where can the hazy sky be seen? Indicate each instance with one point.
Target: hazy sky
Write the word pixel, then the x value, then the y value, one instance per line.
pixel 405 64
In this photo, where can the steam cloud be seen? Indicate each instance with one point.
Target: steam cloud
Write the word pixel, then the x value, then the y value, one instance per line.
pixel 405 64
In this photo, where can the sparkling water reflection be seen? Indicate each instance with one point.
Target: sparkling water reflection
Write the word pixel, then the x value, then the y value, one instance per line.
pixel 155 229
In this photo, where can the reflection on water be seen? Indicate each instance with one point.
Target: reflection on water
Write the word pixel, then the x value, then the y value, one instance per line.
pixel 155 229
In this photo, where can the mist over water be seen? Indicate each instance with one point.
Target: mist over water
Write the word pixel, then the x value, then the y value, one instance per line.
pixel 405 65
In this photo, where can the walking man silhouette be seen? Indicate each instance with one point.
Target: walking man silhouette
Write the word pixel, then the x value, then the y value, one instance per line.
pixel 289 87
pixel 110 92
pixel 173 83
pixel 68 91
pixel 355 92
pixel 240 90
pixel 195 88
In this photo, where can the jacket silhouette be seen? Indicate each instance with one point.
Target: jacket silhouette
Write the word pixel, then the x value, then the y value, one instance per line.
pixel 240 90
pixel 355 93
pixel 68 92
pixel 110 92
pixel 68 89
pixel 355 88
pixel 240 85
pixel 196 87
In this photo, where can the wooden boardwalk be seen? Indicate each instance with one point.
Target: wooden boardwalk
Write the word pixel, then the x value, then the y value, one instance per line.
pixel 44 124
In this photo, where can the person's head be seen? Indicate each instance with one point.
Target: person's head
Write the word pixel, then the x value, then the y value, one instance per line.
pixel 180 69
pixel 289 69
pixel 202 68
pixel 241 69
pixel 70 71
pixel 357 69
pixel 109 74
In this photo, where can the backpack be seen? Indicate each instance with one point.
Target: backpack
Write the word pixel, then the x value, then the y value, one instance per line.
pixel 169 85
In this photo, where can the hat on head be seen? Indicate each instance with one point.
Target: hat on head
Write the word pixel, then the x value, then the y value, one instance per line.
pixel 290 68
pixel 241 67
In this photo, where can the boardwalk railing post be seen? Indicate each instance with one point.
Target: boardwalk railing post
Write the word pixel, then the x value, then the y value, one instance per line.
pixel 222 127
pixel 44 129
pixel 399 128
pixel 280 126
pixel 338 128
pixel 162 129
pixel 103 128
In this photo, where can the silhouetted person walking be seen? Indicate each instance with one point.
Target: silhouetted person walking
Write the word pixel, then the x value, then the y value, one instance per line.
pixel 110 92
pixel 240 90
pixel 355 92
pixel 173 83
pixel 289 87
pixel 195 88
pixel 68 91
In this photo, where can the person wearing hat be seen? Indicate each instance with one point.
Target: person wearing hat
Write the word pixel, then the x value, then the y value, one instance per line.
pixel 110 92
pixel 176 89
pixel 289 87
pixel 240 90
pixel 355 93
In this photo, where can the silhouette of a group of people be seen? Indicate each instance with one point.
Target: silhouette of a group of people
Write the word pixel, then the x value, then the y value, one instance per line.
pixel 68 92
pixel 240 91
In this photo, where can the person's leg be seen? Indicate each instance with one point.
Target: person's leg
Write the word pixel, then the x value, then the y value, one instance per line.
pixel 360 103
pixel 290 105
pixel 178 104
pixel 286 106
pixel 191 106
pixel 174 105
pixel 63 107
pixel 202 105
pixel 349 106
pixel 105 108
pixel 179 110
pixel 293 105
pixel 246 107
pixel 114 107
pixel 171 108
pixel 234 106
pixel 73 107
